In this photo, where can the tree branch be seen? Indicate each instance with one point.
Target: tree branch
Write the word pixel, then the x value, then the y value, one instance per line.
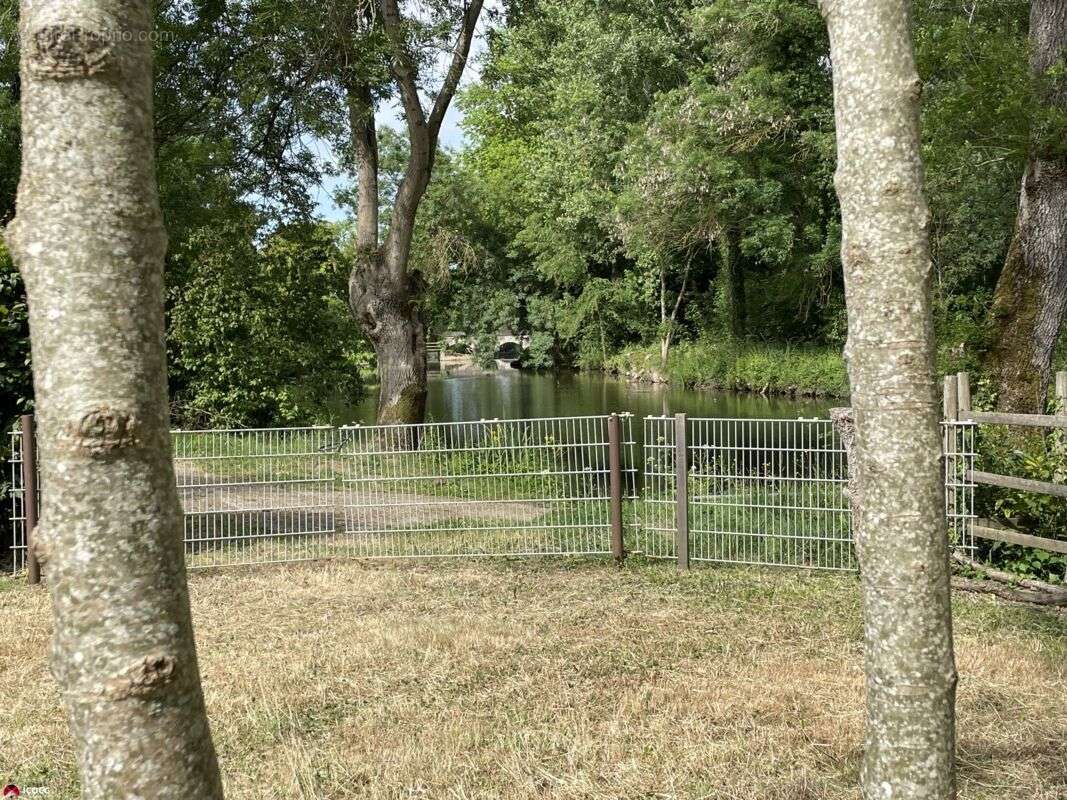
pixel 404 72
pixel 1015 595
pixel 365 156
pixel 423 135
pixel 455 69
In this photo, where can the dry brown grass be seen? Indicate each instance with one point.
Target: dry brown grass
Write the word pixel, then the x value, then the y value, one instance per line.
pixel 537 679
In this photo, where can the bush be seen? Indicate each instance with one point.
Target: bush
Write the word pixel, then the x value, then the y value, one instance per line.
pixel 485 350
pixel 259 332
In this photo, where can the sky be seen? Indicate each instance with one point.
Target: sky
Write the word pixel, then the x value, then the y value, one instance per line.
pixel 389 116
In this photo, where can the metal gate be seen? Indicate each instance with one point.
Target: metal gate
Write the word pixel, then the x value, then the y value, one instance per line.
pixel 746 491
pixel 768 491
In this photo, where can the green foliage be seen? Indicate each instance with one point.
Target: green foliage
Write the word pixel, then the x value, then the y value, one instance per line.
pixel 540 352
pixel 259 332
pixel 485 350
pixel 625 154
pixel 736 160
pixel 978 106
pixel 15 384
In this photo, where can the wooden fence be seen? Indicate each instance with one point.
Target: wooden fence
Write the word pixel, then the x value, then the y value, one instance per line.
pixel 957 403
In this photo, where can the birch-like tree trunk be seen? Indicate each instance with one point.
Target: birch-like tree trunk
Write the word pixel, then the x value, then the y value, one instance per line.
pixel 89 241
pixel 1031 293
pixel 901 536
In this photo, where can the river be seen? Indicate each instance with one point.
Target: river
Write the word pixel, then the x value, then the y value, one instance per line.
pixel 512 394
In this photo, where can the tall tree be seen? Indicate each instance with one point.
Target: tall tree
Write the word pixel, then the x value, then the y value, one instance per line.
pixel 1031 294
pixel 901 537
pixel 384 292
pixel 89 240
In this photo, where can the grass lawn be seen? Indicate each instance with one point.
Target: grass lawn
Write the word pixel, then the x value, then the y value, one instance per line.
pixel 555 679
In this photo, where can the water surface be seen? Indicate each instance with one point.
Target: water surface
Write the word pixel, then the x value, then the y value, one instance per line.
pixel 512 394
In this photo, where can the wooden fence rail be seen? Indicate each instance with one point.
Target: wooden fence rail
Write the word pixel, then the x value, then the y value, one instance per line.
pixel 957 406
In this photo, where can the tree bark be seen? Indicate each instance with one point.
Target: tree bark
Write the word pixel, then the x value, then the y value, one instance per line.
pixel 733 281
pixel 89 240
pixel 665 338
pixel 901 534
pixel 390 318
pixel 1031 293
pixel 384 301
pixel 383 293
pixel 669 323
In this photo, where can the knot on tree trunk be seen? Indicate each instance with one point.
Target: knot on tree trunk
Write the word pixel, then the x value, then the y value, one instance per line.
pixel 144 678
pixel 41 550
pixel 103 430
pixel 62 51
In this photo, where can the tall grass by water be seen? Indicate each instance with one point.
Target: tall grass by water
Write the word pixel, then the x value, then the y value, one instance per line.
pixel 740 366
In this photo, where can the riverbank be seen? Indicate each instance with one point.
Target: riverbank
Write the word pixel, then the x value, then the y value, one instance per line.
pixel 760 368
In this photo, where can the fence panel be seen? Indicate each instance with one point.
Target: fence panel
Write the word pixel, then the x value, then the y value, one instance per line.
pixel 768 491
pixel 960 449
pixel 761 491
pixel 257 496
pixel 656 536
pixel 18 507
pixel 498 487
pixel 772 492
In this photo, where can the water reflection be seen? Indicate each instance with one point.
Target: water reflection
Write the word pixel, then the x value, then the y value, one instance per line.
pixel 511 394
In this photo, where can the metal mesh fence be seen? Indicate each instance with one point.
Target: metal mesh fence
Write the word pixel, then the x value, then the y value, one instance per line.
pixel 960 449
pixel 656 536
pixel 515 487
pixel 500 487
pixel 773 492
pixel 257 496
pixel 769 492
pixel 18 499
pixel 761 491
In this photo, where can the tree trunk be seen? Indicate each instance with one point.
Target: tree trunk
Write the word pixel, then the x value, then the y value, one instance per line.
pixel 390 318
pixel 665 333
pixel 1031 293
pixel 733 279
pixel 669 323
pixel 383 293
pixel 901 535
pixel 89 240
pixel 401 350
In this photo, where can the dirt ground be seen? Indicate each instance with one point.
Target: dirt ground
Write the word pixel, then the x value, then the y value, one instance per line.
pixel 374 508
pixel 555 679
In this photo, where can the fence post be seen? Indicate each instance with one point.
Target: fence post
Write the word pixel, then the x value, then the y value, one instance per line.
pixel 681 495
pixel 615 486
pixel 1061 392
pixel 963 396
pixel 951 400
pixel 29 496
